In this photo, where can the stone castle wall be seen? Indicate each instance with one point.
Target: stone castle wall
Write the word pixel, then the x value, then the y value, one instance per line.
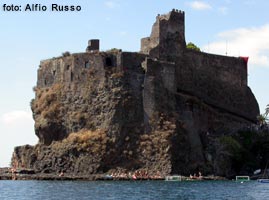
pixel 155 109
pixel 167 35
pixel 88 82
pixel 74 68
pixel 220 81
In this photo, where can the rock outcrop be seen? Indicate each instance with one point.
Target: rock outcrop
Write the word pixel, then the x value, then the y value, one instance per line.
pixel 160 109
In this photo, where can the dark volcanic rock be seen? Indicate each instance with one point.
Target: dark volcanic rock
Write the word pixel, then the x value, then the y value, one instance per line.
pixel 160 110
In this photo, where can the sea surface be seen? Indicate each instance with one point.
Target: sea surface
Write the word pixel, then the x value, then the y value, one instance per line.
pixel 157 190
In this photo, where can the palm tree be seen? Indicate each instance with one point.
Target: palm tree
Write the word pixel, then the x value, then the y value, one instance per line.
pixel 267 110
pixel 261 119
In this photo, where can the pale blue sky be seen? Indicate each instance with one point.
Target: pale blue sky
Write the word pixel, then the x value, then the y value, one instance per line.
pixel 28 37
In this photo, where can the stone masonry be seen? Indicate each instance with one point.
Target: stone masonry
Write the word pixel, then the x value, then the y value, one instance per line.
pixel 156 106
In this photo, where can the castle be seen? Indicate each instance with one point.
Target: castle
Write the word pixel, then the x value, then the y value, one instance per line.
pixel 182 93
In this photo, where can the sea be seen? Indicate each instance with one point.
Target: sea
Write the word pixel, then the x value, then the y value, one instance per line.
pixel 155 190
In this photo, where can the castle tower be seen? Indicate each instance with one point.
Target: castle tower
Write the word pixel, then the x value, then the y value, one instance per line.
pixel 93 45
pixel 167 39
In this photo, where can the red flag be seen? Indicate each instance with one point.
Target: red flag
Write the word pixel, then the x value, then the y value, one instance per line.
pixel 245 59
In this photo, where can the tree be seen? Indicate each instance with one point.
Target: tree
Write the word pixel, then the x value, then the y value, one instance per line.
pixel 192 46
pixel 267 110
pixel 66 54
pixel 262 118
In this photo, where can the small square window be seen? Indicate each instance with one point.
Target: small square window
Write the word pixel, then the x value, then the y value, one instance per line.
pixel 87 65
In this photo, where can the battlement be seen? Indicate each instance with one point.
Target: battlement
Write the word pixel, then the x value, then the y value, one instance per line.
pixel 167 16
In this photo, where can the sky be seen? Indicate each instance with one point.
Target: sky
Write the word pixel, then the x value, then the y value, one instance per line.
pixel 240 28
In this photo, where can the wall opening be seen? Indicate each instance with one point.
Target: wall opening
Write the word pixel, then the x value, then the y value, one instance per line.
pixel 87 65
pixel 109 62
pixel 72 76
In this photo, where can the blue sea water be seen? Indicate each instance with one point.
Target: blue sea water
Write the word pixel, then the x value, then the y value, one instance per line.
pixel 65 190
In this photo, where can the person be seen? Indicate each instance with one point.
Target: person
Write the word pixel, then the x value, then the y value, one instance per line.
pixel 61 174
pixel 200 175
pixel 134 176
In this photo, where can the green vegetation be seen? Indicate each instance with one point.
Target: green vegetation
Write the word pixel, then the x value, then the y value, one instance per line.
pixel 231 145
pixel 192 46
pixel 246 150
pixel 267 110
pixel 263 118
pixel 46 106
pixel 231 151
pixel 47 101
pixel 114 50
pixel 65 54
pixel 87 140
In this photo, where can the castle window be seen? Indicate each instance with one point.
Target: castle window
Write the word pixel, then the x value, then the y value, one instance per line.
pixel 67 67
pixel 108 62
pixel 72 76
pixel 87 65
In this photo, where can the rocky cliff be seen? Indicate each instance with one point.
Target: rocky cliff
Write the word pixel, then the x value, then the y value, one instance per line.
pixel 161 109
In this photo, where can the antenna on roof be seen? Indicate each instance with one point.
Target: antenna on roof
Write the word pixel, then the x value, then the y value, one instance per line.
pixel 226 48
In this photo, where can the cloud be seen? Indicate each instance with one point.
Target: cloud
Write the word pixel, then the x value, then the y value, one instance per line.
pixel 108 19
pixel 15 117
pixel 223 10
pixel 123 33
pixel 249 2
pixel 111 4
pixel 16 129
pixel 199 5
pixel 252 42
